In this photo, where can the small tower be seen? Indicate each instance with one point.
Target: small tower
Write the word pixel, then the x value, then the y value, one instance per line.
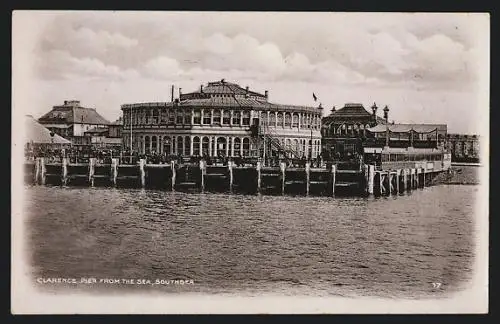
pixel 386 114
pixel 374 113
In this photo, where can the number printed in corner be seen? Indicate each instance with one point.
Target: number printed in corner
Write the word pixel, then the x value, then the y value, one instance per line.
pixel 436 285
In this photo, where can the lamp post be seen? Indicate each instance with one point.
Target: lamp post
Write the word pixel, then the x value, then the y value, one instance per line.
pixel 386 117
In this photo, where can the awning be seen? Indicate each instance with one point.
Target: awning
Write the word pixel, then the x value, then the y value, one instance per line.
pixel 36 133
pixel 403 128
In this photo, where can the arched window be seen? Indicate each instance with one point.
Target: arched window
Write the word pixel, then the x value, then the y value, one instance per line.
pixel 148 116
pixel 272 119
pixel 296 145
pixel 167 146
pixel 187 146
pixel 146 144
pixel 236 117
pixel 288 120
pixel 174 145
pixel 237 146
pixel 221 146
pixel 180 145
pixel 295 120
pixel 226 117
pixel 246 146
pixel 154 143
pixel 288 143
pixel 280 119
pixel 205 144
pixel 196 146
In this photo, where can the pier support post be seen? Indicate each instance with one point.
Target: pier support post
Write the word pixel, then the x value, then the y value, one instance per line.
pixel 142 164
pixel 258 175
pixel 371 178
pixel 405 179
pixel 203 170
pixel 230 167
pixel 398 180
pixel 37 170
pixel 424 176
pixel 174 174
pixel 334 176
pixel 283 173
pixel 308 171
pixel 43 171
pixel 381 183
pixel 64 175
pixel 114 170
pixel 418 177
pixel 412 178
pixel 91 171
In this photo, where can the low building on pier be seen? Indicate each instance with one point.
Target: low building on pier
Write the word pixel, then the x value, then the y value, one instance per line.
pixel 222 119
pixel 463 148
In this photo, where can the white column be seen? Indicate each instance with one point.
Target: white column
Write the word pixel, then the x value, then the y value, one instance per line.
pixel 300 119
pixel 192 116
pixel 211 116
pixel 201 114
pixel 232 146
pixel 231 118
pixel 210 140
pixel 227 146
pixel 191 146
pixel 275 119
pixel 201 145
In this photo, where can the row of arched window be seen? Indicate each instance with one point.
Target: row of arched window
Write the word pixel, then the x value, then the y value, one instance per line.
pixel 215 145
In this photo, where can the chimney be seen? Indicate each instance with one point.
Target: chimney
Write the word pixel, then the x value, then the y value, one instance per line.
pixel 180 93
pixel 172 94
pixel 266 93
pixel 333 109
pixel 247 92
pixel 201 88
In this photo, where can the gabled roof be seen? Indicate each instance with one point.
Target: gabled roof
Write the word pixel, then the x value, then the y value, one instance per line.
pixel 71 114
pixel 37 133
pixel 405 128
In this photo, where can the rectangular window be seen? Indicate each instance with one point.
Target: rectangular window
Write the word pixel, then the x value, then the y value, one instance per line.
pixel 246 118
pixel 217 116
pixel 206 117
pixel 295 120
pixel 197 117
pixel 164 116
pixel 236 117
pixel 187 117
pixel 171 117
pixel 226 119
pixel 180 117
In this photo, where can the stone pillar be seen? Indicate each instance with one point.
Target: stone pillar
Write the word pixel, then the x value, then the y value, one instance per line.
pixel 258 176
pixel 227 146
pixel 191 145
pixel 231 118
pixel 211 116
pixel 64 175
pixel 172 168
pixel 232 146
pixel 334 178
pixel 210 140
pixel 300 119
pixel 142 164
pixel 203 171
pixel 230 167
pixel 192 116
pixel 114 170
pixel 283 174
pixel 91 170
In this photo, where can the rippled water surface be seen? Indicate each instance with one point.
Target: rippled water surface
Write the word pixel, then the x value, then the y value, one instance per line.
pixel 389 247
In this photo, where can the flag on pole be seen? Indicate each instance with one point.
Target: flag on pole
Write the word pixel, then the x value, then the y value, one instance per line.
pixel 314 97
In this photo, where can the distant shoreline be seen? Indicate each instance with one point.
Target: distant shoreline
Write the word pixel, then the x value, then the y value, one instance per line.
pixel 461 174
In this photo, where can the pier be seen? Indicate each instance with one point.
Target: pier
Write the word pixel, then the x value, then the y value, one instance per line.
pixel 230 177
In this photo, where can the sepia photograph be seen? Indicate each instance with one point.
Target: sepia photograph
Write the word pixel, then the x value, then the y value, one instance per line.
pixel 175 162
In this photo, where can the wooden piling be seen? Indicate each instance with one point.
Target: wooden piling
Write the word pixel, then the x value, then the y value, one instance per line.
pixel 230 169
pixel 258 176
pixel 114 170
pixel 283 173
pixel 64 169
pixel 418 177
pixel 43 171
pixel 37 170
pixel 91 171
pixel 405 179
pixel 398 178
pixel 142 164
pixel 308 175
pixel 174 174
pixel 424 176
pixel 371 178
pixel 381 183
pixel 334 176
pixel 412 178
pixel 203 170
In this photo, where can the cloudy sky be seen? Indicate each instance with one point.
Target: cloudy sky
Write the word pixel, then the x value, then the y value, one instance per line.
pixel 426 67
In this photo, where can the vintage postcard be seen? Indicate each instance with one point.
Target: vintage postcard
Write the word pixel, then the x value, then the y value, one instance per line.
pixel 249 162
